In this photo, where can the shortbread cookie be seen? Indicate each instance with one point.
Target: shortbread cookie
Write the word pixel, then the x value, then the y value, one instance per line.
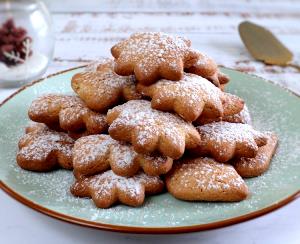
pixel 232 104
pixel 108 188
pixel 203 179
pixel 67 111
pixel 97 153
pixel 224 140
pixel 252 167
pixel 223 87
pixel 191 97
pixel 207 68
pixel 42 149
pixel 153 55
pixel 150 130
pixel 33 126
pixel 102 88
pixel 104 65
pixel 243 117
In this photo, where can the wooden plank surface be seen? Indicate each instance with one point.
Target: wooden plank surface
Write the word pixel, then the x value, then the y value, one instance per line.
pixel 86 30
pixel 265 7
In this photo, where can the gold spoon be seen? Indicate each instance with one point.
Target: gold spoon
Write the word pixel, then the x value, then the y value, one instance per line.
pixel 264 46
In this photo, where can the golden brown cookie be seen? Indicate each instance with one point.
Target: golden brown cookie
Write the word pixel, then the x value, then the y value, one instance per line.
pixel 33 126
pixel 224 141
pixel 43 149
pixel 150 130
pixel 243 117
pixel 203 179
pixel 69 112
pixel 102 88
pixel 153 55
pixel 107 188
pixel 207 68
pixel 232 104
pixel 252 167
pixel 97 153
pixel 222 87
pixel 191 97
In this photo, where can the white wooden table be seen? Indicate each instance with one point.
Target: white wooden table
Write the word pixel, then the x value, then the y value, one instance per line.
pixel 86 30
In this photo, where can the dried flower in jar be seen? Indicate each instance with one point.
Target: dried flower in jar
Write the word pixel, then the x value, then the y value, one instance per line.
pixel 15 44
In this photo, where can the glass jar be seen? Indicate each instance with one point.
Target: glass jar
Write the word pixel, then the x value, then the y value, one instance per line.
pixel 26 41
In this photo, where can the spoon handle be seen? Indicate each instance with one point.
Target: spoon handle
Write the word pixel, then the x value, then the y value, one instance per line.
pixel 294 66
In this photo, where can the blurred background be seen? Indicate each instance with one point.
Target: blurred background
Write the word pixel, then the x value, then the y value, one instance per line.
pixel 85 30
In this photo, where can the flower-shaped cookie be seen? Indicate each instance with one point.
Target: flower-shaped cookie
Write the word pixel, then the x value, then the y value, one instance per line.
pixel 243 117
pixel 42 149
pixel 108 188
pixel 40 126
pixel 150 130
pixel 191 97
pixel 69 112
pixel 153 55
pixel 102 88
pixel 224 140
pixel 203 179
pixel 252 167
pixel 97 153
pixel 207 68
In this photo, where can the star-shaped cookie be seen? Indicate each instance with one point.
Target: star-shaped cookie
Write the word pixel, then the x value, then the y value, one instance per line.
pixel 42 149
pixel 153 55
pixel 207 68
pixel 150 130
pixel 224 141
pixel 252 167
pixel 69 112
pixel 101 88
pixel 191 97
pixel 108 188
pixel 97 153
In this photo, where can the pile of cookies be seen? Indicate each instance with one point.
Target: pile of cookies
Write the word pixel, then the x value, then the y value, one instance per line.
pixel 155 117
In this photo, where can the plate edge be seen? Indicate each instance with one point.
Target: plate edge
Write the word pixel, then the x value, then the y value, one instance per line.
pixel 147 230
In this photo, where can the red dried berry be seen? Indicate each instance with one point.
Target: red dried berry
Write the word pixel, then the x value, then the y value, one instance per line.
pixel 12 40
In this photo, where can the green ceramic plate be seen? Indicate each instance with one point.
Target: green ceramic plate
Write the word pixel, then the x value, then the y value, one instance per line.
pixel 272 108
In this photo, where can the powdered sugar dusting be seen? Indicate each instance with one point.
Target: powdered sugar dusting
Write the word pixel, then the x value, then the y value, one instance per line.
pixel 150 124
pixel 90 148
pixel 230 132
pixel 67 110
pixel 192 88
pixel 38 145
pixel 93 66
pixel 101 80
pixel 241 117
pixel 261 161
pixel 42 103
pixel 123 155
pixel 149 50
pixel 103 184
pixel 96 153
pixel 209 175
